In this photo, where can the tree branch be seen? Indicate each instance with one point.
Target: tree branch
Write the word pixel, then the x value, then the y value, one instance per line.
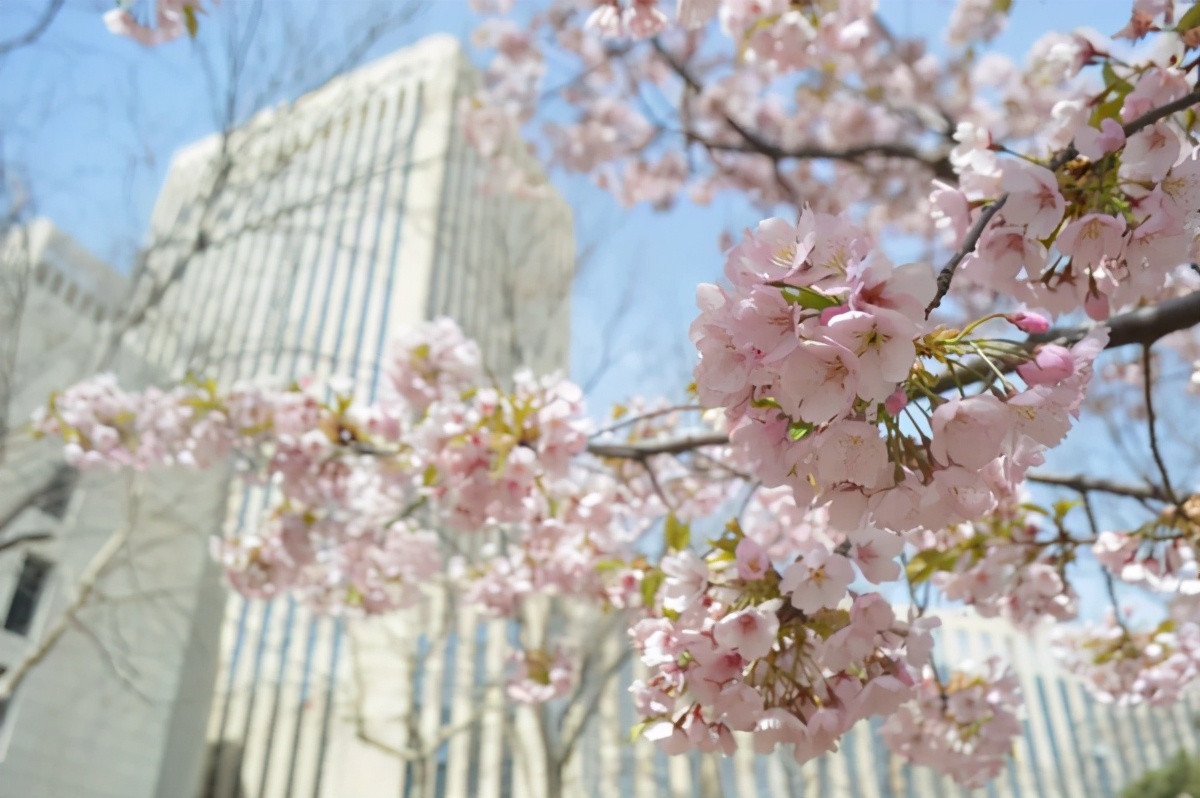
pixel 946 275
pixel 1143 326
pixel 759 145
pixel 571 738
pixel 84 588
pixel 1147 384
pixel 641 451
pixel 34 33
pixel 1162 112
pixel 1081 484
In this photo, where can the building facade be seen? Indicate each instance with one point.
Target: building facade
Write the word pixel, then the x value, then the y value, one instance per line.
pixel 101 574
pixel 294 246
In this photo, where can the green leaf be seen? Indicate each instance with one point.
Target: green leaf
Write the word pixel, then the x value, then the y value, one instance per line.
pixel 635 733
pixel 651 582
pixel 1118 88
pixel 429 477
pixel 809 298
pixel 1064 506
pixel 189 16
pixel 925 564
pixel 678 534
pixel 798 429
pixel 604 566
pixel 1189 20
pixel 1110 75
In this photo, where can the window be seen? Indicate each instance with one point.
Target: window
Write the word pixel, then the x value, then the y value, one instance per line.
pixel 57 496
pixel 25 597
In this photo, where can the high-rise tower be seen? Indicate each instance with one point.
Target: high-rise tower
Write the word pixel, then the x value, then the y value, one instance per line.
pixel 308 235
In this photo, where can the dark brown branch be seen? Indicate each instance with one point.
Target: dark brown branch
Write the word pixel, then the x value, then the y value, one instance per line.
pixel 641 451
pixel 34 33
pixel 1162 112
pixel 1082 484
pixel 1147 383
pixel 1143 326
pixel 946 275
pixel 756 144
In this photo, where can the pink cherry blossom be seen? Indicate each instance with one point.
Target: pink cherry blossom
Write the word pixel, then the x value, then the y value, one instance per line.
pixel 818 579
pixel 750 632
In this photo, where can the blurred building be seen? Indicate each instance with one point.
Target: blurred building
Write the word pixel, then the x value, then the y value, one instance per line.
pixel 102 576
pixel 309 235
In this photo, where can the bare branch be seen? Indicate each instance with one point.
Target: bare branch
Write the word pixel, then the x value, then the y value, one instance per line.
pixel 1082 484
pixel 34 33
pixel 571 739
pixel 83 590
pixel 641 451
pixel 755 143
pixel 1162 112
pixel 946 275
pixel 1147 383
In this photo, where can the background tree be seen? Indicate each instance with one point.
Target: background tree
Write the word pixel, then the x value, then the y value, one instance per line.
pixel 860 412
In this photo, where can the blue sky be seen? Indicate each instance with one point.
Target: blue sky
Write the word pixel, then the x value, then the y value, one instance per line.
pixel 89 121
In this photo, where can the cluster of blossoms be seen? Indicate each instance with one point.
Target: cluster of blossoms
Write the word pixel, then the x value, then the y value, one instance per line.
pixel 733 644
pixel 816 351
pixel 350 475
pixel 964 727
pixel 1005 564
pixel 609 51
pixel 1126 666
pixel 357 487
pixel 1161 555
pixel 1106 230
pixel 172 19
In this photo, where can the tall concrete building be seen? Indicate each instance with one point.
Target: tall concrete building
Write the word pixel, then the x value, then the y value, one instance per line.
pixel 296 245
pixel 104 578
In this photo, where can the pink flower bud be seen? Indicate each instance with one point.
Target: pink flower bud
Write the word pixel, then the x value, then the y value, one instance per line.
pixel 1032 323
pixel 1052 364
pixel 896 402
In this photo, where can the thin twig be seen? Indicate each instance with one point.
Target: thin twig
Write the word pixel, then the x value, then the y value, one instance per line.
pixel 39 27
pixel 626 422
pixel 641 451
pixel 1082 484
pixel 83 590
pixel 1162 112
pixel 1148 393
pixel 946 275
